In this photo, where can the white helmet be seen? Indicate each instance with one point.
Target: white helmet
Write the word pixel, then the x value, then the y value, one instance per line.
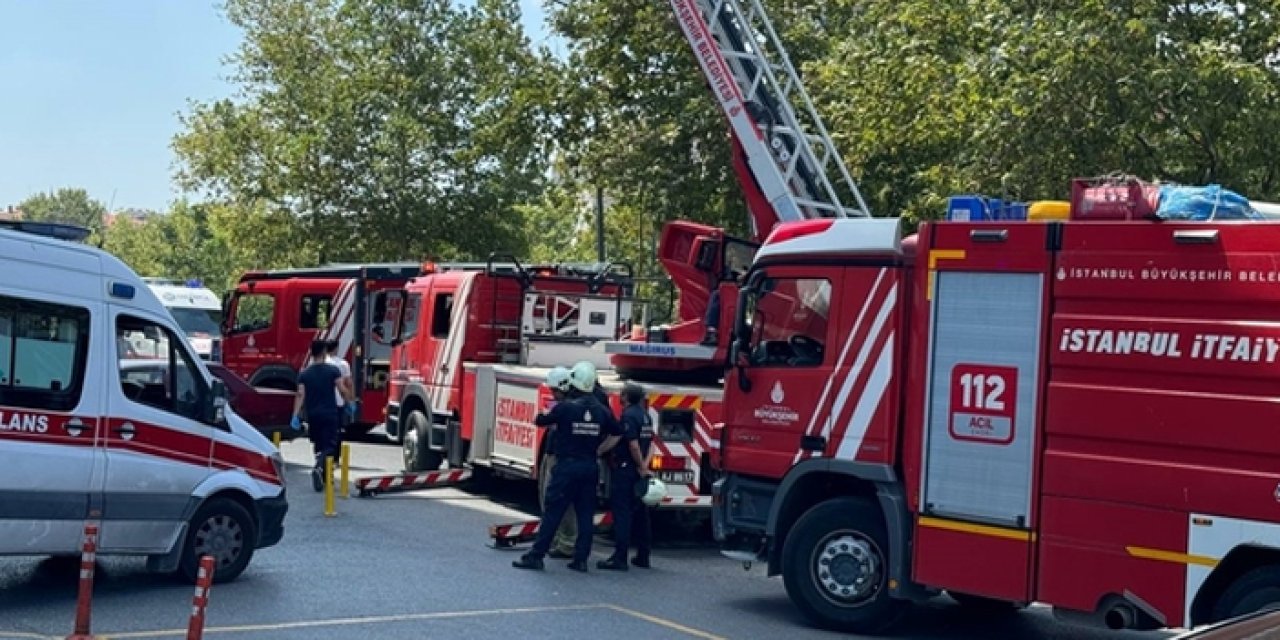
pixel 655 491
pixel 583 376
pixel 558 379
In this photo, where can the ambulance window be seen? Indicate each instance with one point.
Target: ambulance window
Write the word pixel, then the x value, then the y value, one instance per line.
pixel 409 320
pixel 314 313
pixel 788 321
pixel 254 311
pixel 43 349
pixel 441 315
pixel 169 380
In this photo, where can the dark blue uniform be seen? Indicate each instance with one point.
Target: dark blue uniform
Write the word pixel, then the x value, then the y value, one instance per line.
pixel 320 380
pixel 630 515
pixel 582 423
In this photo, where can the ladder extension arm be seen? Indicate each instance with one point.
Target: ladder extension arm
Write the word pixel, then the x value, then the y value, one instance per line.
pixel 786 143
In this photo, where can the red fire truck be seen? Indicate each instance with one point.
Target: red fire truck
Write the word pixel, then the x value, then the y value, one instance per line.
pixel 473 351
pixel 273 316
pixel 1066 412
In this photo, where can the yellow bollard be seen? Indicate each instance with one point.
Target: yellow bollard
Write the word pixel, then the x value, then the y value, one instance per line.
pixel 346 467
pixel 275 439
pixel 328 487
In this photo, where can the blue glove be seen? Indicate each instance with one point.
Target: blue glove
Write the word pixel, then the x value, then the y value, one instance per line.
pixel 295 423
pixel 351 408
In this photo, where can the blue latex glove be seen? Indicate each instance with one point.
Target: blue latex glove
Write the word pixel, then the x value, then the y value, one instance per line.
pixel 295 423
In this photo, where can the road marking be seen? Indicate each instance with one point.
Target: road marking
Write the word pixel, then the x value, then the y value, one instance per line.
pixel 664 622
pixel 24 635
pixel 409 617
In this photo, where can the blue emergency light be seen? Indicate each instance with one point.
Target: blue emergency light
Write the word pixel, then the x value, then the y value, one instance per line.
pixel 122 290
pixel 195 283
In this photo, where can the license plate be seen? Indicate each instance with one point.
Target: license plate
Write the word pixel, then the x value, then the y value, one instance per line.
pixel 676 477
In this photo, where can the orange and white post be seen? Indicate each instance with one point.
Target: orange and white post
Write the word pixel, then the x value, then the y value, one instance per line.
pixel 195 628
pixel 84 602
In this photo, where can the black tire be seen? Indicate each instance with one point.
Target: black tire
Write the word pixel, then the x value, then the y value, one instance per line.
pixel 224 529
pixel 848 534
pixel 417 433
pixel 1254 591
pixel 982 605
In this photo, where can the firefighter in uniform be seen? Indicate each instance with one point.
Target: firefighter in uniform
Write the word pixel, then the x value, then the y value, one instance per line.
pixel 562 547
pixel 582 426
pixel 628 465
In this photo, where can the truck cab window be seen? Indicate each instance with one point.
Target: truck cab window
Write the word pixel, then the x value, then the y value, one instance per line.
pixel 252 312
pixel 409 319
pixel 43 350
pixel 167 380
pixel 788 319
pixel 441 315
pixel 315 312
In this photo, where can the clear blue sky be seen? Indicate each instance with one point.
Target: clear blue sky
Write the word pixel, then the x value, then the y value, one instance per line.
pixel 92 92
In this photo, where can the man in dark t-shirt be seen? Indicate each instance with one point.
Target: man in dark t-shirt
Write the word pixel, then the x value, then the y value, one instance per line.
pixel 316 387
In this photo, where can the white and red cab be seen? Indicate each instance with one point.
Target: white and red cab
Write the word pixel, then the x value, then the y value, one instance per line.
pixel 165 469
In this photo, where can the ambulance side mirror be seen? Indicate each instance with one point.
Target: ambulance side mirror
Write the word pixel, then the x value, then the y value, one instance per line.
pixel 215 405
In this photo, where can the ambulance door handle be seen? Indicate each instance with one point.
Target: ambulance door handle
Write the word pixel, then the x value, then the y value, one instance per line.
pixel 125 431
pixel 74 427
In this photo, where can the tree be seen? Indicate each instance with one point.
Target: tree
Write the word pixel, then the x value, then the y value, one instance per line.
pixel 69 206
pixel 210 241
pixel 389 129
pixel 933 98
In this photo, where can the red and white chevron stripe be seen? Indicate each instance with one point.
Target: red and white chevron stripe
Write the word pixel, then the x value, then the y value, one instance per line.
pixel 407 481
pixel 865 386
pixel 342 325
pixel 448 357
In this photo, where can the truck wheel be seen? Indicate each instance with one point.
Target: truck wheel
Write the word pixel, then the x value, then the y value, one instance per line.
pixel 225 530
pixel 1254 591
pixel 835 566
pixel 417 433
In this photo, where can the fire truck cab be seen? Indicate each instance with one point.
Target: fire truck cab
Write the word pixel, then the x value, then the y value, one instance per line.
pixel 1069 412
pixel 473 351
pixel 273 316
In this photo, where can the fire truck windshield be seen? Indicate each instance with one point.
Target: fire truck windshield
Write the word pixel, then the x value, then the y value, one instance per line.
pixel 786 321
pixel 198 322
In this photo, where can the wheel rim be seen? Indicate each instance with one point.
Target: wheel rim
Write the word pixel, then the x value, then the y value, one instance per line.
pixel 222 537
pixel 847 568
pixel 410 447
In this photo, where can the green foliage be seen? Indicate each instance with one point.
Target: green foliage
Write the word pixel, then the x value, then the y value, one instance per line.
pixel 70 206
pixel 390 129
pixel 215 243
pixel 935 97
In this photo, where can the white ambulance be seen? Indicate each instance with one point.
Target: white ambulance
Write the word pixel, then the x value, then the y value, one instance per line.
pixel 196 309
pixel 164 467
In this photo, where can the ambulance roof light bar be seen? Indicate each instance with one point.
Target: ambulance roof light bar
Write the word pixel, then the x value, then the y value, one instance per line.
pixel 57 230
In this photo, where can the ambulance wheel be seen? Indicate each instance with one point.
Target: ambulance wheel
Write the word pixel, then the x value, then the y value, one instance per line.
pixel 835 567
pixel 417 433
pixel 225 530
pixel 1254 591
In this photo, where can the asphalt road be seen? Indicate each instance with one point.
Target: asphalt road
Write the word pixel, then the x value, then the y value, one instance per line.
pixel 416 565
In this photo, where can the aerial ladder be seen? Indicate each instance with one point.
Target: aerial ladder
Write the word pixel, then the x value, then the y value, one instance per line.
pixel 787 165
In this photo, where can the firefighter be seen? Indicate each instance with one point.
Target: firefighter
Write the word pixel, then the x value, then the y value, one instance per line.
pixel 582 426
pixel 315 391
pixel 629 464
pixel 558 383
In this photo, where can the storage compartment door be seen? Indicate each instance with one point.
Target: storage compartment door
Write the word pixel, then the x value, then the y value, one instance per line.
pixel 981 431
